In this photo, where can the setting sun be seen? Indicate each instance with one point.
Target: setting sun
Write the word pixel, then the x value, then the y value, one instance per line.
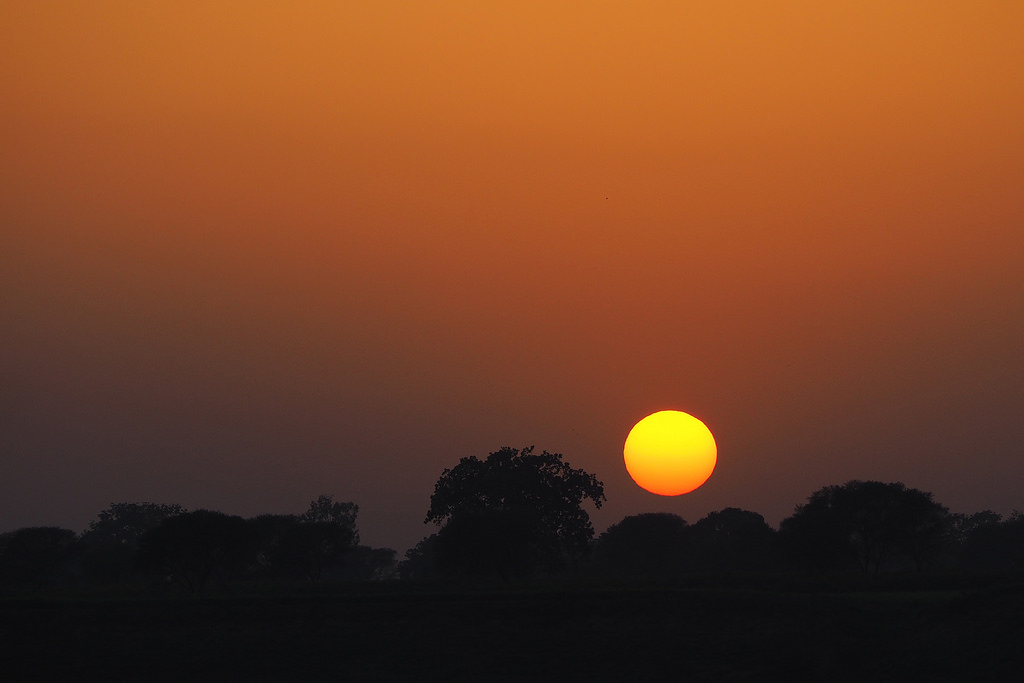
pixel 670 453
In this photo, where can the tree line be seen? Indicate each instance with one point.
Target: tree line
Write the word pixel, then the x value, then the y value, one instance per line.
pixel 158 543
pixel 515 514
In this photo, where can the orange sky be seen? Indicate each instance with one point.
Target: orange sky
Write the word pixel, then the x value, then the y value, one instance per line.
pixel 251 253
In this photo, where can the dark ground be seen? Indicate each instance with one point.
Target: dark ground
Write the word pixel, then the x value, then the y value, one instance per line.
pixel 934 628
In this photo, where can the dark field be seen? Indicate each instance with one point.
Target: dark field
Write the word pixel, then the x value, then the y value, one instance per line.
pixel 936 628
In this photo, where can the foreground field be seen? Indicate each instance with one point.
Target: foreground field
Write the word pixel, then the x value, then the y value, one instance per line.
pixel 949 629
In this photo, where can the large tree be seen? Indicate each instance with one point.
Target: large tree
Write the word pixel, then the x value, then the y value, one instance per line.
pixel 516 512
pixel 865 524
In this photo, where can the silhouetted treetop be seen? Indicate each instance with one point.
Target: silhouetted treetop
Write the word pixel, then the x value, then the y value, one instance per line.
pixel 515 511
pixel 647 544
pixel 514 479
pixel 326 509
pixel 125 523
pixel 309 546
pixel 733 540
pixel 111 542
pixel 194 547
pixel 866 524
pixel 995 543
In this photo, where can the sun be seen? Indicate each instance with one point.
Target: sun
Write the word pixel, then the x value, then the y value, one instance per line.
pixel 670 453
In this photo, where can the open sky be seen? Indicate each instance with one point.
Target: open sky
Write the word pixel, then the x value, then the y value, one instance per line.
pixel 252 252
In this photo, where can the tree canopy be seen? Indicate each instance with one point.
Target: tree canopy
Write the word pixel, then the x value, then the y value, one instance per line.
pixel 125 523
pixel 647 544
pixel 326 509
pixel 111 542
pixel 732 540
pixel 515 512
pixel 307 546
pixel 194 547
pixel 865 524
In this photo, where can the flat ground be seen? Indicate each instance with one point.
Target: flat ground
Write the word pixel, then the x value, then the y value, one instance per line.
pixel 935 628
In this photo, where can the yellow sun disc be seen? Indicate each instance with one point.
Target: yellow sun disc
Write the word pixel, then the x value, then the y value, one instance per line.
pixel 670 453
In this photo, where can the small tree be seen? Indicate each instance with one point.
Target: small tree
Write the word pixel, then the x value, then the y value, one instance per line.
pixel 514 513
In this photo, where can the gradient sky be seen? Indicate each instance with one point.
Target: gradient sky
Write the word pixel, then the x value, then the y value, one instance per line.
pixel 253 252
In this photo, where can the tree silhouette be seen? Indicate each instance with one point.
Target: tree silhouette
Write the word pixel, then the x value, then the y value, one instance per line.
pixel 647 544
pixel 275 557
pixel 864 524
pixel 732 540
pixel 963 527
pixel 516 512
pixel 326 509
pixel 318 547
pixel 111 542
pixel 125 523
pixel 925 528
pixel 502 543
pixel 421 560
pixel 326 535
pixel 194 547
pixel 305 546
pixel 993 543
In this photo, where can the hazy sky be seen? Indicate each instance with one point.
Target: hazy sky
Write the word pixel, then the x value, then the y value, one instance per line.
pixel 252 252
